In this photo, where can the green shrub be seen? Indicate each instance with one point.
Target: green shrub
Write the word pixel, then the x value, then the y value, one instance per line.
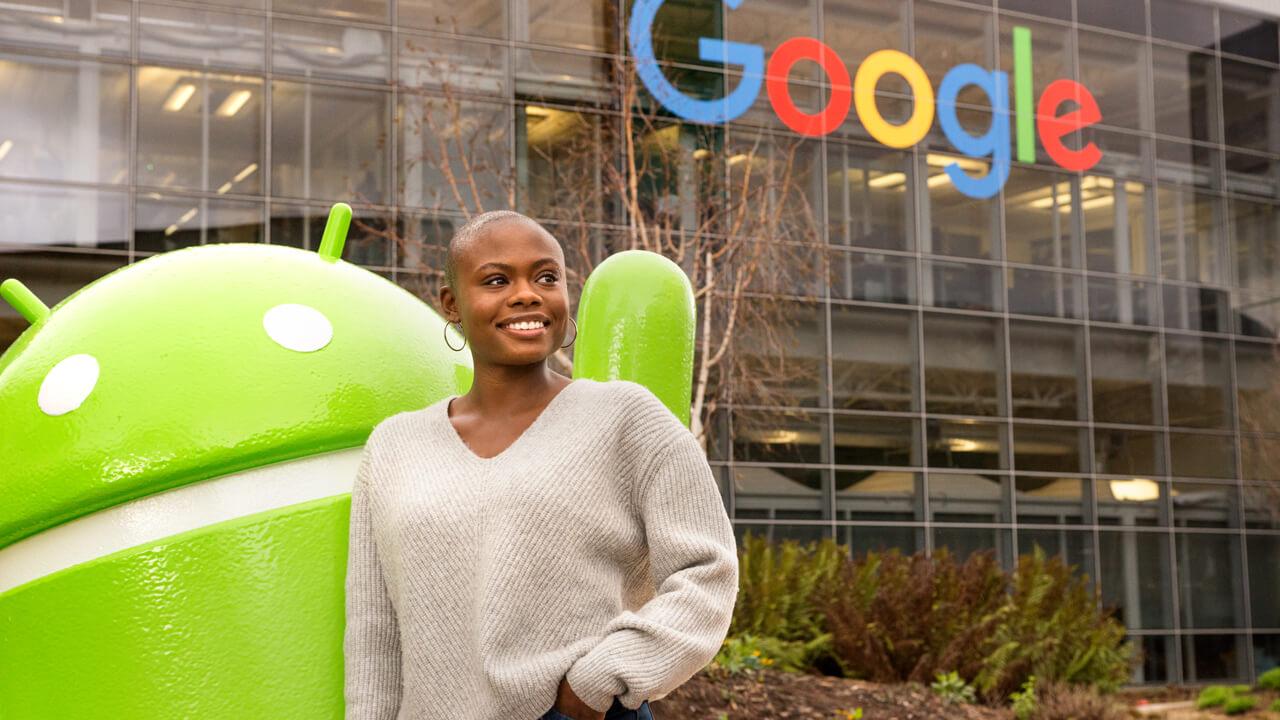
pixel 1213 696
pixel 737 655
pixel 776 586
pixel 1241 689
pixel 952 689
pixel 1237 704
pixel 1024 702
pixel 1275 706
pixel 1270 680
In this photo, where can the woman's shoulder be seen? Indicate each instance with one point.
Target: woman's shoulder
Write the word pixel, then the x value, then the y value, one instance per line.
pixel 636 405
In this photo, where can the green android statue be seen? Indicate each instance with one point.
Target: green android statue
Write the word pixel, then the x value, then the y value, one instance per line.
pixel 178 441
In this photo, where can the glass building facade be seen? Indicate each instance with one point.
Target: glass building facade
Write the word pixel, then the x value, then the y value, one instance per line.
pixel 1085 361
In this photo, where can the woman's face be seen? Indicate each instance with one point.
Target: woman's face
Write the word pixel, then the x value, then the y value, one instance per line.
pixel 513 271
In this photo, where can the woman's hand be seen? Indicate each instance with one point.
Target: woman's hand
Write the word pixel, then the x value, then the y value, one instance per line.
pixel 568 703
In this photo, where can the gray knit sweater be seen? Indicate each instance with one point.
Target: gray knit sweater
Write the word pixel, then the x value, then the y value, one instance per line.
pixel 596 546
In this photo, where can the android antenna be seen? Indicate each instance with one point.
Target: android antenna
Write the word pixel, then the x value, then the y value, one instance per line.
pixel 335 232
pixel 23 300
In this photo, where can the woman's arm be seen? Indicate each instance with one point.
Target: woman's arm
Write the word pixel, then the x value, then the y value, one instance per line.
pixel 371 644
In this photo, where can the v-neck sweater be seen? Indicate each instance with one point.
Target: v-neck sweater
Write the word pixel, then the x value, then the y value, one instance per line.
pixel 595 547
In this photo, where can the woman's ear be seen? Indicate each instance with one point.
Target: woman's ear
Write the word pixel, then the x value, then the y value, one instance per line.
pixel 449 304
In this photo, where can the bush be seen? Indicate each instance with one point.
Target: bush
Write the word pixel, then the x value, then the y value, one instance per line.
pixel 776 585
pixel 1270 680
pixel 1237 704
pixel 952 689
pixel 1213 696
pixel 1024 702
pixel 1275 706
pixel 1241 689
pixel 737 655
pixel 1059 701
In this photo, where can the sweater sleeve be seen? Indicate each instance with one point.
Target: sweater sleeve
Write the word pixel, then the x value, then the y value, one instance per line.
pixel 646 654
pixel 371 644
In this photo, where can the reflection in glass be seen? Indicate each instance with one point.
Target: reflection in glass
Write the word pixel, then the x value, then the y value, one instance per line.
pixel 1248 36
pixel 867 198
pixel 337 51
pixel 1051 294
pixel 168 223
pixel 958 224
pixel 99 28
pixel 857 28
pixel 1052 500
pixel 861 539
pixel 1128 452
pixel 40 215
pixel 963 542
pixel 487 18
pixel 1037 218
pixel 1132 501
pixel 1209 587
pixel 784 355
pixel 1132 302
pixel 1126 17
pixel 779 436
pixel 1190 236
pixel 790 493
pixel 777 533
pixel 1249 114
pixel 1047 370
pixel 1254 227
pixel 74 121
pixel 874 276
pixel 556 176
pixel 1199 383
pixel 1137 577
pixel 961 285
pixel 1258 387
pixel 1126 376
pixel 1196 308
pixel 303 227
pixel 476 163
pixel 1189 23
pixel 876 440
pixel 1206 505
pixel 962 365
pixel 966 444
pixel 947 35
pixel 1187 164
pixel 200 37
pixel 581 25
pixel 881 495
pixel 1050 448
pixel 1185 81
pixel 1264 581
pixel 968 498
pixel 1116 215
pixel 873 359
pixel 1073 547
pixel 184 116
pixel 1115 71
pixel 1259 458
pixel 1053 57
pixel 367 10
pixel 329 142
pixel 432 63
pixel 1213 657
pixel 1252 174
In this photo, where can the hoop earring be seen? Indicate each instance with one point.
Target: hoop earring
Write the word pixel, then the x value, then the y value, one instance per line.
pixel 446 337
pixel 575 333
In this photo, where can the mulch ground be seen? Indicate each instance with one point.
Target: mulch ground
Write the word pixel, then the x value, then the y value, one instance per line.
pixel 772 695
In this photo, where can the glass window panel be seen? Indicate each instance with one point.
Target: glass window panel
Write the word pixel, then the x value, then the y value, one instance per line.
pixel 1052 58
pixel 472 171
pixel 1128 16
pixel 1248 36
pixel 1037 219
pixel 366 10
pixel 1253 174
pixel 565 77
pixel 99 28
pixel 1258 386
pixel 966 444
pixel 1254 228
pixel 958 224
pixel 487 18
pixel 867 199
pixel 1186 83
pixel 792 436
pixel 1196 308
pixel 1199 382
pixel 873 359
pixel 779 178
pixel 1187 164
pixel 1115 218
pixel 558 179
pixel 585 26
pixel 1048 8
pixel 1159 658
pixel 1047 370
pixel 1134 501
pixel 784 353
pixel 329 143
pixel 184 116
pixel 1249 112
pixel 303 227
pixel 881 495
pixel 963 286
pixel 1126 376
pixel 1049 448
pixel 877 440
pixel 1128 452
pixel 53 275
pixel 1032 292
pixel 963 542
pixel 1180 21
pixel 1115 71
pixel 966 497
pixel 1125 153
pixel 962 365
pixel 1191 246
pixel 1052 500
pixel 201 37
pixel 1205 505
pixel 167 223
pixel 73 123
pixel 1255 314
pixel 1259 457
pixel 1209 590
pixel 336 51
pixel 1132 302
pixel 861 539
pixel 874 277
pixel 1266 651
pixel 423 239
pixel 44 215
pixel 1137 578
pixel 792 492
pixel 1214 657
pixel 1264 581
pixel 857 28
pixel 777 533
pixel 1261 506
pixel 434 63
pixel 947 36
pixel 1073 547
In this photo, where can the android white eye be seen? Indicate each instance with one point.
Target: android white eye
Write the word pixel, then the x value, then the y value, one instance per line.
pixel 298 327
pixel 68 384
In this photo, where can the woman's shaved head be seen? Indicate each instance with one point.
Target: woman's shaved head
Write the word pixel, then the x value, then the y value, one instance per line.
pixel 466 235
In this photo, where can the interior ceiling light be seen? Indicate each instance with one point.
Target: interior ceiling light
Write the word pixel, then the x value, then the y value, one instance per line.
pixel 246 172
pixel 234 102
pixel 179 97
pixel 887 180
pixel 536 111
pixel 5 147
pixel 1135 490
pixel 964 163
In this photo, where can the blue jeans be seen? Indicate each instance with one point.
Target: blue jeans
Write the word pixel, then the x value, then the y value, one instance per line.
pixel 616 711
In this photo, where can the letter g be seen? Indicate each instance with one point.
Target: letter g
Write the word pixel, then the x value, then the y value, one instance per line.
pixel 749 57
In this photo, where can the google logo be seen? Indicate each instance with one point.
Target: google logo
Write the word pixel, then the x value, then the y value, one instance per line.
pixel 861 94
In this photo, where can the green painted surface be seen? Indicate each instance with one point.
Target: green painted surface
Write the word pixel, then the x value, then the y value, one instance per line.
pixel 1023 102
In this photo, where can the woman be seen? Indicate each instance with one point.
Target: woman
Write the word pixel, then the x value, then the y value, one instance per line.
pixel 539 548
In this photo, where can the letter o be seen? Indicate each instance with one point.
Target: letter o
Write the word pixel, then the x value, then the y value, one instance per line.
pixel 864 98
pixel 787 55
